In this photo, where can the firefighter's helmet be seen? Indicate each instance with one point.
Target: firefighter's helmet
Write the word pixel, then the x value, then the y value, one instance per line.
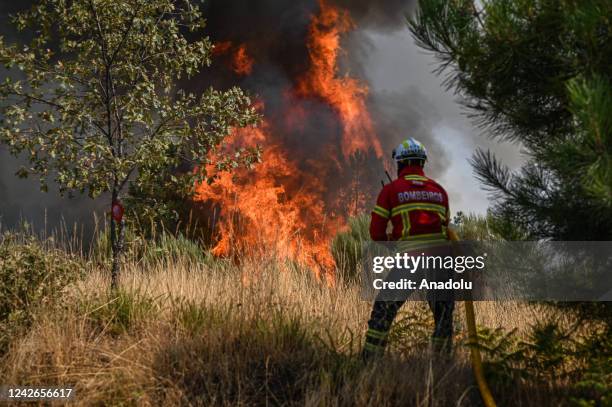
pixel 410 149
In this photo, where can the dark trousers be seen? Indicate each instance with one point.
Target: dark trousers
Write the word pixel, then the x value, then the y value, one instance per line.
pixel 441 303
pixel 384 312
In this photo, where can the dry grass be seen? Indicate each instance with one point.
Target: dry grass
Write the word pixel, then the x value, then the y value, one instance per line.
pixel 183 334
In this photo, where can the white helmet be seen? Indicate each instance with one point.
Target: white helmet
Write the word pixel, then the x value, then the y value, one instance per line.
pixel 410 149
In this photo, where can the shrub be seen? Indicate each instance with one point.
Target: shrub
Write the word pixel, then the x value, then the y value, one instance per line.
pixel 194 318
pixel 486 228
pixel 170 248
pixel 347 247
pixel 120 311
pixel 552 354
pixel 164 248
pixel 31 276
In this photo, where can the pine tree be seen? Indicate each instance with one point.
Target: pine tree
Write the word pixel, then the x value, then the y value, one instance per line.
pixel 536 73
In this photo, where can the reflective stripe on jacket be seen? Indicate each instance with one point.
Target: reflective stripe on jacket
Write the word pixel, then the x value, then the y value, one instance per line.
pixel 417 207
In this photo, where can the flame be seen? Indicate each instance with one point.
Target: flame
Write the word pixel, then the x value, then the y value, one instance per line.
pixel 260 211
pixel 347 95
pixel 278 207
pixel 221 48
pixel 242 63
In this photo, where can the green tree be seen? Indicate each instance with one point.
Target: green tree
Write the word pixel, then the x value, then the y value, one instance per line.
pixel 537 73
pixel 93 99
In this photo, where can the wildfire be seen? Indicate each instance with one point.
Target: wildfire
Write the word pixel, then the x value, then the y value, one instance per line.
pixel 279 207
pixel 221 48
pixel 347 95
pixel 241 62
pixel 266 209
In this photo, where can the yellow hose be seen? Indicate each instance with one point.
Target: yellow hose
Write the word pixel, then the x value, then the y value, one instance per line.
pixel 470 317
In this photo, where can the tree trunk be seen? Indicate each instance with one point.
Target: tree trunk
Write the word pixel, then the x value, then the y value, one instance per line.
pixel 117 253
pixel 117 237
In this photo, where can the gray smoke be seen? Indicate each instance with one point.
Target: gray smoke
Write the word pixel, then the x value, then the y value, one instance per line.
pixel 399 110
pixel 276 35
pixel 408 113
pixel 21 199
pixel 382 16
pixel 275 32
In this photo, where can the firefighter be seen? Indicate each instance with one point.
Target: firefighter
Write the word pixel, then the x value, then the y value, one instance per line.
pixel 418 210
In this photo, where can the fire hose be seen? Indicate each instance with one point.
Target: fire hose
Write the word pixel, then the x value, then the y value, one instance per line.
pixel 470 317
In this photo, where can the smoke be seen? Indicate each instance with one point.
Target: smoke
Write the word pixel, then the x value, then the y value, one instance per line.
pixel 275 33
pixel 409 113
pixel 382 16
pixel 21 200
pixel 276 30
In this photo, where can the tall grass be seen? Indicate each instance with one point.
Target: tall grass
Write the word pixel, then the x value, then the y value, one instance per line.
pixel 347 247
pixel 184 332
pixel 199 335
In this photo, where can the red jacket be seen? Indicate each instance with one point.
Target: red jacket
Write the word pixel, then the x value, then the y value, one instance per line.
pixel 417 207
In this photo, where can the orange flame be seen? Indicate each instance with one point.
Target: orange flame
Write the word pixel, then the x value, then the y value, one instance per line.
pixel 260 211
pixel 277 207
pixel 242 63
pixel 347 95
pixel 221 48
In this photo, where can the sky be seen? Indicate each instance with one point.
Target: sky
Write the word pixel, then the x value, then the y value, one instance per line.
pixel 393 63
